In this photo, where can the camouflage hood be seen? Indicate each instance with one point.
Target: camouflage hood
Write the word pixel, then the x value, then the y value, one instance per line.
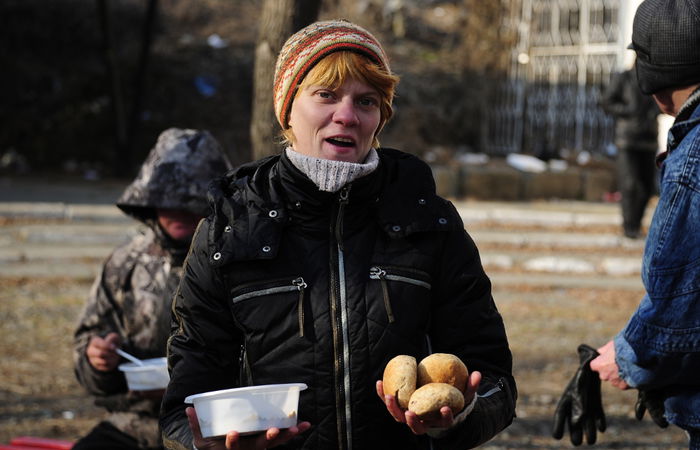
pixel 175 175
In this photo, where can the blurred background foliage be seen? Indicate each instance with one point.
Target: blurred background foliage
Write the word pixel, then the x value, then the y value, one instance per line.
pixel 58 106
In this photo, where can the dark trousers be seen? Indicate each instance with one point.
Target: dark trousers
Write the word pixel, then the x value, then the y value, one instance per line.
pixel 106 436
pixel 637 182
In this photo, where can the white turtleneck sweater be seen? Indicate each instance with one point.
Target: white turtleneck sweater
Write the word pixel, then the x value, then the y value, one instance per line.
pixel 330 175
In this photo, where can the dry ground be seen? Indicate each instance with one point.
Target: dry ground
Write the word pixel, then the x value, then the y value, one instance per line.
pixel 39 395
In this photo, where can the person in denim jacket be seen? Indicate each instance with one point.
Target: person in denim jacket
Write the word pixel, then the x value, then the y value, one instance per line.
pixel 658 351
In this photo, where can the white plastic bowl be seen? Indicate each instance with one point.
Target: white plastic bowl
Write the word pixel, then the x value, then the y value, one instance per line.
pixel 151 376
pixel 247 409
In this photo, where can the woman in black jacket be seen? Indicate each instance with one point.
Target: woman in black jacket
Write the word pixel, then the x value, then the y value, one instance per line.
pixel 321 264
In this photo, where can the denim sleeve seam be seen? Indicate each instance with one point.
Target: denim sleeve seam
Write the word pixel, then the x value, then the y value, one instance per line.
pixel 669 212
pixel 668 346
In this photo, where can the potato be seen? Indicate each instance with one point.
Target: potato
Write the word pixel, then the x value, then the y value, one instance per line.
pixel 399 378
pixel 427 400
pixel 443 368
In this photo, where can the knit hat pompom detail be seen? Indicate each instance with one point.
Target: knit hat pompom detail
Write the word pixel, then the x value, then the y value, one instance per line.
pixel 308 46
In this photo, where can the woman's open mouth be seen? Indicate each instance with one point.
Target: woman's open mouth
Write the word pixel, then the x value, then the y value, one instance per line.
pixel 341 141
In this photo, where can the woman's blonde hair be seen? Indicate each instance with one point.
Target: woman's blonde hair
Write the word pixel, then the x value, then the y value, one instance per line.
pixel 333 70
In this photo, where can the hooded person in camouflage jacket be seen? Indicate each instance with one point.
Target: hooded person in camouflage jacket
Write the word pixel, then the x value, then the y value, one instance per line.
pixel 129 303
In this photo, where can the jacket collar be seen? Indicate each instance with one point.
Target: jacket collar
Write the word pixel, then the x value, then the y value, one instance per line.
pixel 408 202
pixel 247 216
pixel 689 107
pixel 681 128
pixel 255 203
pixel 688 117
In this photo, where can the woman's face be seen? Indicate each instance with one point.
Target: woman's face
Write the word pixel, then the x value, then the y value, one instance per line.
pixel 337 124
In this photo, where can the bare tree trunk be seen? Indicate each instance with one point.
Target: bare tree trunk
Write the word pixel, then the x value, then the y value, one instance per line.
pixel 120 129
pixel 279 19
pixel 126 128
pixel 134 124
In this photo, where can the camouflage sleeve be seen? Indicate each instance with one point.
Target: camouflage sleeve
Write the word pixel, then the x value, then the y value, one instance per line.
pixel 100 316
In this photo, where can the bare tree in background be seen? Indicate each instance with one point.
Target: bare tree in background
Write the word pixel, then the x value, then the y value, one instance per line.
pixel 279 19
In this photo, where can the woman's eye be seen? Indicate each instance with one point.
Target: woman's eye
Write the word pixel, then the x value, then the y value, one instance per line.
pixel 324 94
pixel 368 101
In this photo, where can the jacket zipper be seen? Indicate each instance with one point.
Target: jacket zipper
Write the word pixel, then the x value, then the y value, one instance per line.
pixel 498 387
pixel 297 284
pixel 378 273
pixel 339 325
pixel 246 377
pixel 300 285
pixel 294 285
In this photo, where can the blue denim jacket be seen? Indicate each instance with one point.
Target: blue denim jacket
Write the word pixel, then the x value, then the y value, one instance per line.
pixel 660 346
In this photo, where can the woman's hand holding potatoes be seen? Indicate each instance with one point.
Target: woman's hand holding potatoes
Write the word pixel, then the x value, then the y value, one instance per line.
pixel 441 384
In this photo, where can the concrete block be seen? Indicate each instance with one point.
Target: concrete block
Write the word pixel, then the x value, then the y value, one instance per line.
pixel 490 183
pixel 497 181
pixel 551 185
pixel 596 182
pixel 446 180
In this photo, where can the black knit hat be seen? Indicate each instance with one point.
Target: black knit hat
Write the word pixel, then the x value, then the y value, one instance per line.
pixel 666 37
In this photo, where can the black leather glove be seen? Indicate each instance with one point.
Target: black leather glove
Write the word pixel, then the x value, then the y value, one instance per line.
pixel 580 406
pixel 652 402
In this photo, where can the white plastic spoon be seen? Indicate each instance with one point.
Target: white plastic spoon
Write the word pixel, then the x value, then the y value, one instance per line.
pixel 131 358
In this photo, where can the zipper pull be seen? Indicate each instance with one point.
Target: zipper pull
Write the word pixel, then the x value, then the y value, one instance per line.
pixel 343 199
pixel 344 195
pixel 244 374
pixel 377 273
pixel 301 285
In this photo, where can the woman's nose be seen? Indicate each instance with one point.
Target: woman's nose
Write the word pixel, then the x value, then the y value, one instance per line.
pixel 345 112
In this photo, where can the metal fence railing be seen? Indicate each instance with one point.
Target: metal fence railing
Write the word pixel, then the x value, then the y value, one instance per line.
pixel 566 53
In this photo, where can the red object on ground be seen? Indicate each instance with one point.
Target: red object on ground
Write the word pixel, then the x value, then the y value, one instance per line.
pixel 30 442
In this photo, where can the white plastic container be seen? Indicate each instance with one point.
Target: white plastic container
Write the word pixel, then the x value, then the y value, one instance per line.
pixel 247 409
pixel 151 376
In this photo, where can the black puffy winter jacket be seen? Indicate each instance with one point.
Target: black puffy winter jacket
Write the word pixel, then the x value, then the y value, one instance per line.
pixel 285 283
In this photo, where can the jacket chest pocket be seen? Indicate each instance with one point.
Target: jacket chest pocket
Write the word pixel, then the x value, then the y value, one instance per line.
pixel 269 310
pixel 405 294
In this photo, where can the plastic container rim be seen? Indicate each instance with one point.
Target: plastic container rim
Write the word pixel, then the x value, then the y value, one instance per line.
pixel 151 364
pixel 264 387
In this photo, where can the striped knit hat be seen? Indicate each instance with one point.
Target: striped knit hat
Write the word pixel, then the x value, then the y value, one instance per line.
pixel 308 46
